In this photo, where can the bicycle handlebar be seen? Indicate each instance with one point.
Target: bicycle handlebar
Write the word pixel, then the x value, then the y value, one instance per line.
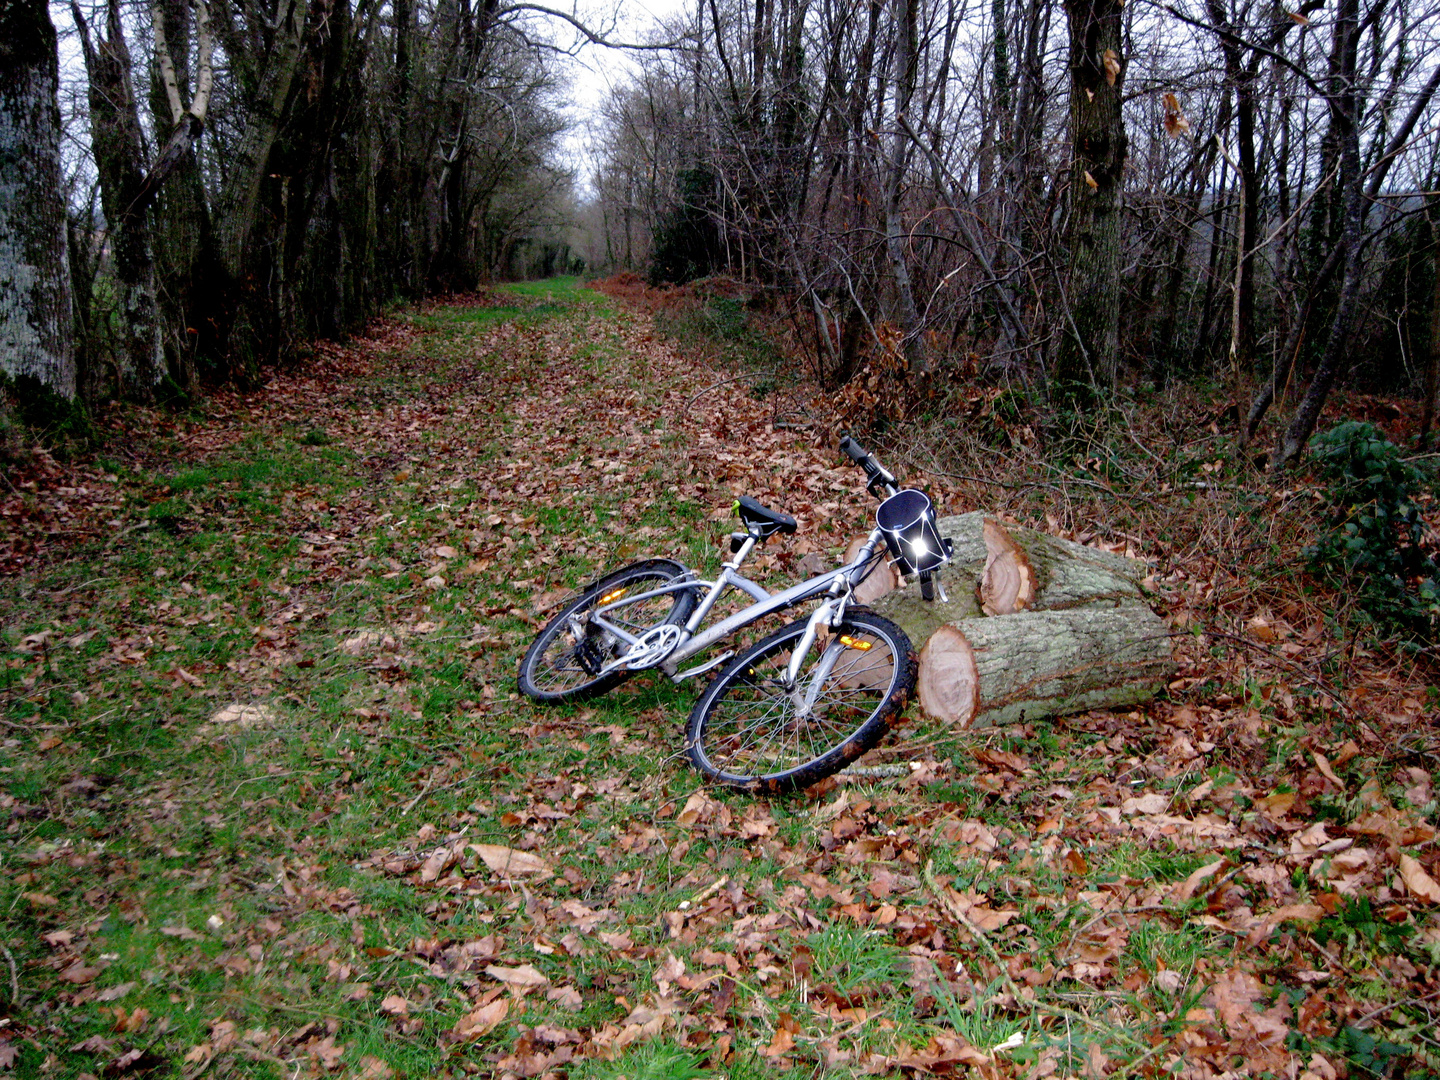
pixel 876 475
pixel 853 450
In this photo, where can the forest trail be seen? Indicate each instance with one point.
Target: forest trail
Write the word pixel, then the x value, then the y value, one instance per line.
pixel 277 809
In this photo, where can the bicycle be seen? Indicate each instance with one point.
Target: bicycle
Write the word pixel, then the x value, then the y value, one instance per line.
pixel 796 706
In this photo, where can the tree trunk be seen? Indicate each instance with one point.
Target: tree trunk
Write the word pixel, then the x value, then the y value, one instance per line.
pixel 37 324
pixel 120 163
pixel 906 65
pixel 1349 183
pixel 240 197
pixel 1432 362
pixel 1090 342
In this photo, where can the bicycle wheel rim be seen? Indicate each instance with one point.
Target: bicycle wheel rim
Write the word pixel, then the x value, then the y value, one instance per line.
pixel 749 731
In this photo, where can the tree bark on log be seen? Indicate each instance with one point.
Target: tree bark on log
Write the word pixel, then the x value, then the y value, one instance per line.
pixel 1063 574
pixel 1036 664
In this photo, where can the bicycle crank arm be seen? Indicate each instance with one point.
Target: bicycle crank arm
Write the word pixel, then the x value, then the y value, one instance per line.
pixel 698 669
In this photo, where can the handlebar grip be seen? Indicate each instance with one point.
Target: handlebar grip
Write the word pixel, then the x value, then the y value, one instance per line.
pixel 853 450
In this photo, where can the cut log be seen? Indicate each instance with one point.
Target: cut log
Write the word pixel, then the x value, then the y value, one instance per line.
pixel 1007 584
pixel 882 579
pixel 988 570
pixel 1035 664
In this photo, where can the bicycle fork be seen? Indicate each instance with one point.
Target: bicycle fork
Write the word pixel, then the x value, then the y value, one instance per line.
pixel 803 698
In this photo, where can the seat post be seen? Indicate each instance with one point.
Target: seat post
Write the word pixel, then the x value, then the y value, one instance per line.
pixel 742 551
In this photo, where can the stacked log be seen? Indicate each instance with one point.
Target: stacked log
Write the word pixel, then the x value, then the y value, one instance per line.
pixel 1034 626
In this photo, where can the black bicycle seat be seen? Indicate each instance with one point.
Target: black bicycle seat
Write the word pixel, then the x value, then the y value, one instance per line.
pixel 761 521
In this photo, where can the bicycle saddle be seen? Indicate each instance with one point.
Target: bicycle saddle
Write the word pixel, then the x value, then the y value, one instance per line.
pixel 761 521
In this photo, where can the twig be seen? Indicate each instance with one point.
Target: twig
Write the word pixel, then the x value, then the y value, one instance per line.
pixel 257 779
pixel 705 893
pixel 723 382
pixel 14 978
pixel 1258 647
pixel 128 529
pixel 1354 1023
pixel 423 791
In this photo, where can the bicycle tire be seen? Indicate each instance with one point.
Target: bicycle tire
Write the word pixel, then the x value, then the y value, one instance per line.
pixel 553 668
pixel 744 731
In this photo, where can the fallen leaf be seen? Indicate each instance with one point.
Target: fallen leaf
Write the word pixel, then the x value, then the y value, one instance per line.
pixel 79 974
pixel 326 1052
pixel 511 863
pixel 566 997
pixel 479 1021
pixel 115 993
pixel 1261 630
pixel 438 861
pixel 197 1054
pixel 524 975
pixel 1420 884
pixel 395 1005
pixel 1323 764
pixel 1190 884
pixel 1152 802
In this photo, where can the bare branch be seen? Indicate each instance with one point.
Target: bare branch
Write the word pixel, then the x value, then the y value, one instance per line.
pixel 590 35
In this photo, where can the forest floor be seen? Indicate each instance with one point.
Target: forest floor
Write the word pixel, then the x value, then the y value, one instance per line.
pixel 271 805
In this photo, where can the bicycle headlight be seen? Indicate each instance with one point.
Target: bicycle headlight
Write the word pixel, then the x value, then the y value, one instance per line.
pixel 907 521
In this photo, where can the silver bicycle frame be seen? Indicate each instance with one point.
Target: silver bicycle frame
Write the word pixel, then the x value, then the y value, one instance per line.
pixel 838 583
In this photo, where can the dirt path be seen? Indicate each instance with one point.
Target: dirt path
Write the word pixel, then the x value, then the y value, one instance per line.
pixel 273 808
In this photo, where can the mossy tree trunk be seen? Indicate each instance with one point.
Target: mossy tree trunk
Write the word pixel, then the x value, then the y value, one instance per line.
pixel 37 325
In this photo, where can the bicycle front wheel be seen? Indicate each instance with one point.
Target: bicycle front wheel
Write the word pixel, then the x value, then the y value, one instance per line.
pixel 563 660
pixel 752 731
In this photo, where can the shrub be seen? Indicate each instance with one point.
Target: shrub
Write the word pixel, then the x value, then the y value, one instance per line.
pixel 1376 542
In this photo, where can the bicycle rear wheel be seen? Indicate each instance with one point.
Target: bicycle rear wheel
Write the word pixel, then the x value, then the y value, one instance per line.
pixel 749 730
pixel 562 662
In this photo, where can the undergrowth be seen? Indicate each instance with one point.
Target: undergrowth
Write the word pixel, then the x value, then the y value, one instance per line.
pixel 1376 538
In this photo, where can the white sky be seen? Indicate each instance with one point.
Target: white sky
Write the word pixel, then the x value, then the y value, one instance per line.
pixel 595 70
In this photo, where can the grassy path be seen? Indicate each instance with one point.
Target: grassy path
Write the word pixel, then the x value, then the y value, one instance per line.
pixel 272 807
